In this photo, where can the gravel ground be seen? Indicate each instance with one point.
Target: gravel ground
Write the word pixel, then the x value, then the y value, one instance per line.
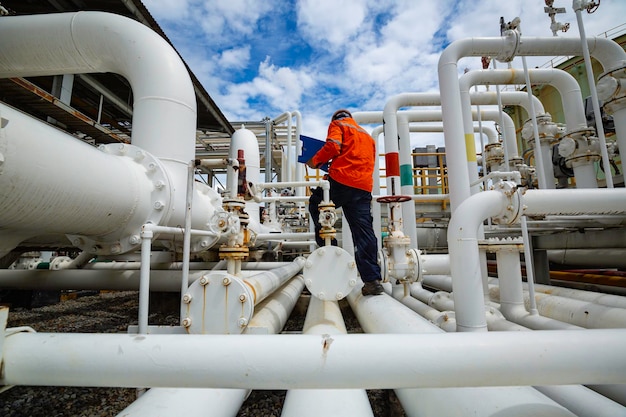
pixel 112 313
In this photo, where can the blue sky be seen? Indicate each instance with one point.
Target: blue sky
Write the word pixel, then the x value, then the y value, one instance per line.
pixel 259 58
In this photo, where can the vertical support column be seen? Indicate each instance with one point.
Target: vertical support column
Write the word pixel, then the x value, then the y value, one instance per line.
pixel 541 266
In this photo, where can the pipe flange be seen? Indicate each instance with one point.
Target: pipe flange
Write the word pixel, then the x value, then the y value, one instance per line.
pixel 157 205
pixel 236 253
pixel 512 211
pixel 611 88
pixel 510 46
pixel 416 274
pixel 231 301
pixel 330 273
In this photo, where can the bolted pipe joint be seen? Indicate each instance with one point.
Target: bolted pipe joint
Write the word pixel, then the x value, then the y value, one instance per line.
pixel 548 130
pixel 494 156
pixel 510 212
pixel 579 148
pixel 510 46
pixel 612 90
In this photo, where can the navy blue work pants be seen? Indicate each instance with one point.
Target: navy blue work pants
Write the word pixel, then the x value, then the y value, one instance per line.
pixel 356 205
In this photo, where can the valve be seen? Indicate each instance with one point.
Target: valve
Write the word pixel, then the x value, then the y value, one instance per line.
pixel 223 222
pixel 327 219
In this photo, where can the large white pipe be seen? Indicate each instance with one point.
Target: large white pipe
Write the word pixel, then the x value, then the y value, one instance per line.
pixel 463 232
pixel 164 100
pixel 465 268
pixel 188 402
pixel 269 318
pixel 214 361
pixel 286 169
pixel 512 295
pixel 85 42
pixel 271 314
pixel 59 201
pixel 562 81
pixel 582 401
pixel 324 318
pixel 607 52
pixel 265 283
pixel 483 401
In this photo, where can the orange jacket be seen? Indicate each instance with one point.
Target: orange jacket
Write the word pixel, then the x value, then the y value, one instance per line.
pixel 352 151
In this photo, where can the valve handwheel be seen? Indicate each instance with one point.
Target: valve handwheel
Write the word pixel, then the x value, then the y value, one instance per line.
pixel 393 199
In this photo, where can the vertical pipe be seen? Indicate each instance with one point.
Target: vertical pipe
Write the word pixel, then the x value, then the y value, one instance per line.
pixel 144 280
pixel 530 272
pixel 406 179
pixel 324 318
pixel 184 284
pixel 578 6
pixel 542 170
pixel 268 149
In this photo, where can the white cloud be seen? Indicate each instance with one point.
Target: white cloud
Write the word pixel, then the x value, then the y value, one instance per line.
pixel 335 22
pixel 223 18
pixel 236 58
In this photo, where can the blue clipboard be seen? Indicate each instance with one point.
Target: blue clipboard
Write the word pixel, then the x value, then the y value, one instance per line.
pixel 310 146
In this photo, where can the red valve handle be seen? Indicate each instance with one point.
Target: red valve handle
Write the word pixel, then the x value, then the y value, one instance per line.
pixel 393 199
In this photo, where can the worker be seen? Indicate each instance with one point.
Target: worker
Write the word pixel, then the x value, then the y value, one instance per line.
pixel 352 153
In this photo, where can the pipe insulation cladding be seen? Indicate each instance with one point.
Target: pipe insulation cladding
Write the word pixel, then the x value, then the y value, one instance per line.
pixel 103 207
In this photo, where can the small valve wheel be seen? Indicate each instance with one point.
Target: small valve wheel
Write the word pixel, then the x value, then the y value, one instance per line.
pixel 393 199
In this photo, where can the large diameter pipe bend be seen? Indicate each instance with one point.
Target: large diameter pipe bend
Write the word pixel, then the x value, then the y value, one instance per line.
pixel 464 257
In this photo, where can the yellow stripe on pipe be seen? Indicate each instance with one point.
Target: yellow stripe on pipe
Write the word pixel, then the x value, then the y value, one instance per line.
pixel 470 147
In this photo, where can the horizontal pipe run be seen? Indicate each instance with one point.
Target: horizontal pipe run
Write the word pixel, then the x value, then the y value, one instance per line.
pixel 582 401
pixel 226 361
pixel 265 237
pixel 265 283
pixel 188 402
pixel 271 314
pixel 574 201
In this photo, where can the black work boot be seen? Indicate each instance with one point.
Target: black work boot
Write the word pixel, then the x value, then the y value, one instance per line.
pixel 372 288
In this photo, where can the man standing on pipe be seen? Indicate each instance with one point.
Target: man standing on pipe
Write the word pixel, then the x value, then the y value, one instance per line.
pixel 353 154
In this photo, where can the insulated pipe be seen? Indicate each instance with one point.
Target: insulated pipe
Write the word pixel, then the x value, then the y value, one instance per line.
pixel 463 232
pixel 286 116
pixel 588 296
pixel 392 154
pixel 492 135
pixel 245 140
pixel 272 313
pixel 512 295
pixel 214 361
pixel 580 313
pixel 270 318
pixel 441 319
pixel 27 202
pixel 573 202
pixel 582 401
pixel 324 318
pixel 589 258
pixel 87 42
pixel 265 283
pixel 607 52
pixel 188 402
pixel 465 270
pixel 564 83
pixel 443 302
pixel 482 401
